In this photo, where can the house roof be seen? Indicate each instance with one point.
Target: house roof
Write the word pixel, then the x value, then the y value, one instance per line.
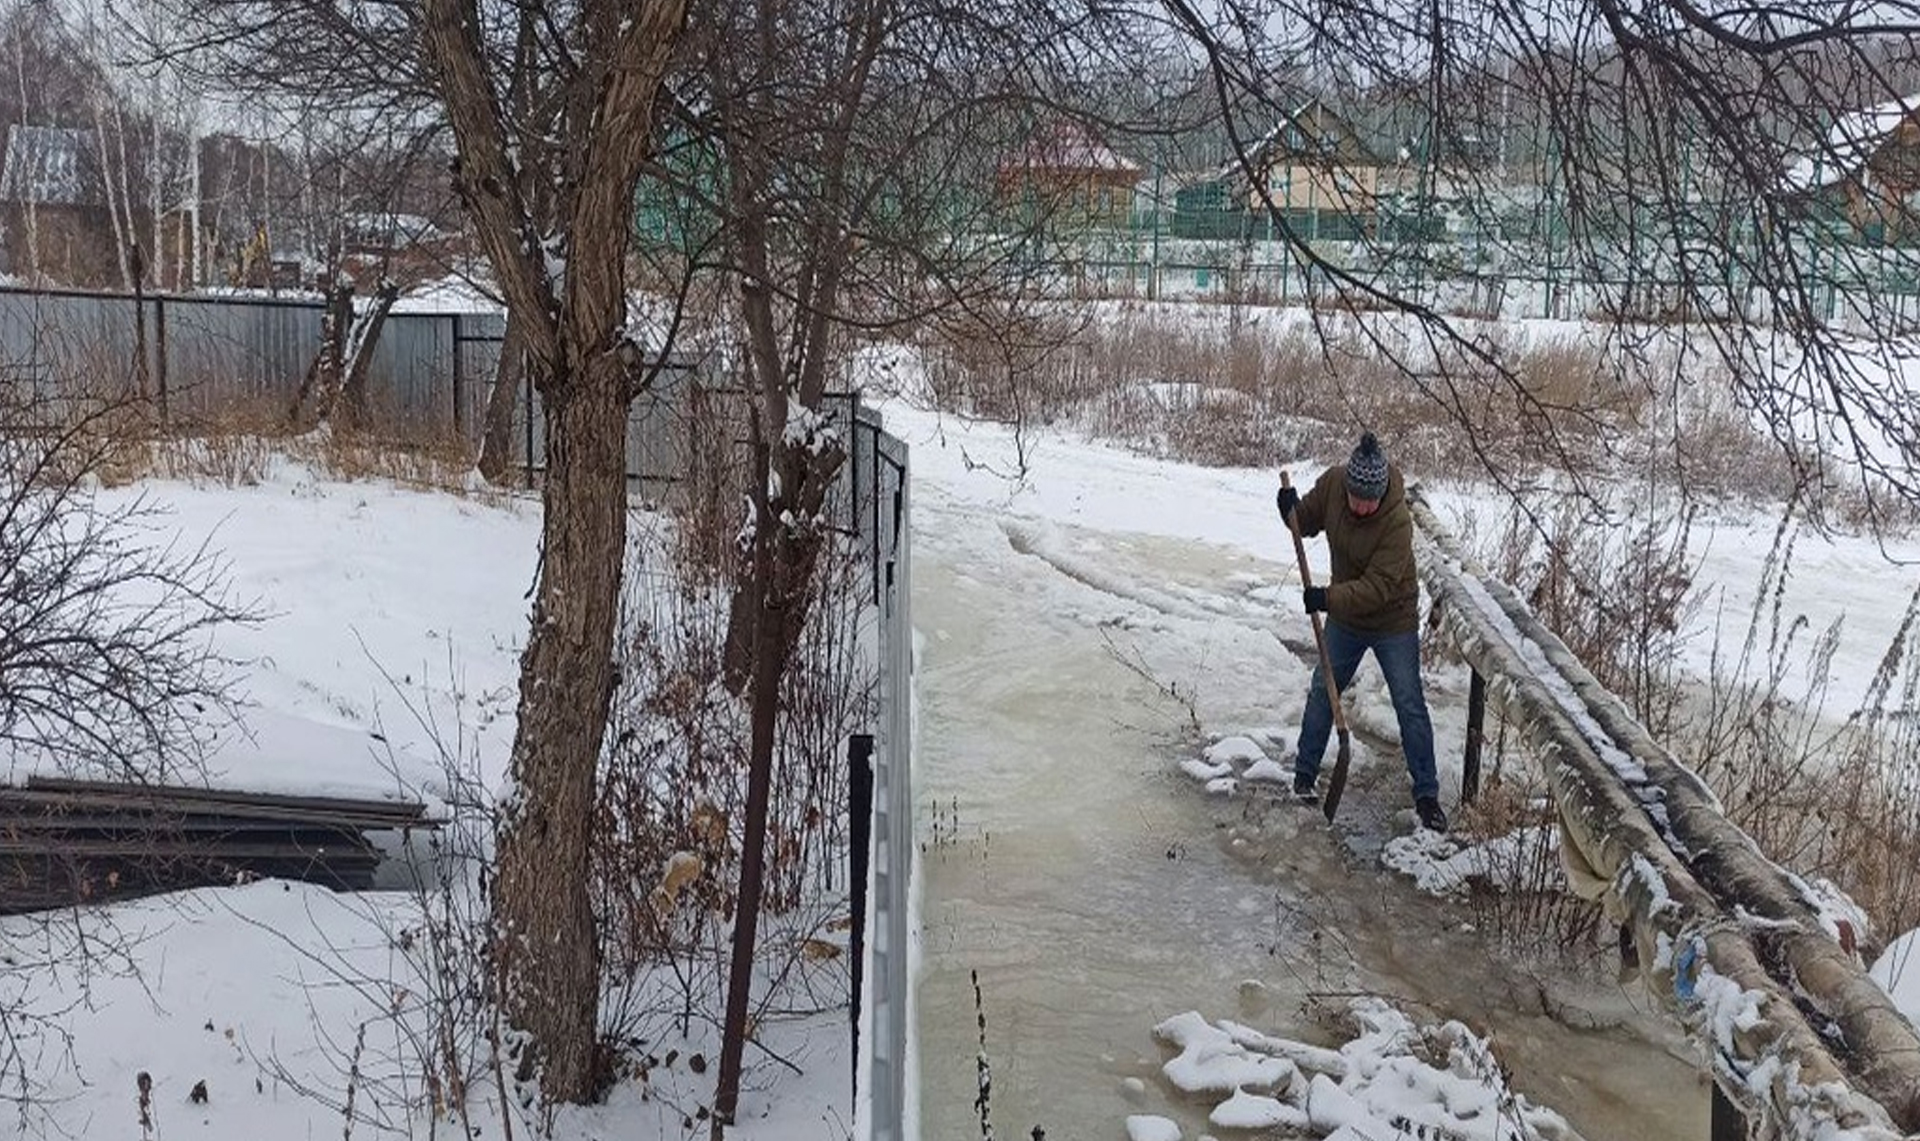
pixel 43 165
pixel 1852 140
pixel 390 226
pixel 1068 147
pixel 1298 118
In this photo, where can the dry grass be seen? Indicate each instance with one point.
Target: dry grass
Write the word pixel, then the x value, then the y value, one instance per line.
pixel 1517 409
pixel 242 442
pixel 1842 808
pixel 1524 902
pixel 1245 390
pixel 1246 393
pixel 1619 594
pixel 1834 801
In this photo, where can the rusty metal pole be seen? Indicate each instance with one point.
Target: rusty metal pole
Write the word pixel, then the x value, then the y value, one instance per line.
pixel 1476 719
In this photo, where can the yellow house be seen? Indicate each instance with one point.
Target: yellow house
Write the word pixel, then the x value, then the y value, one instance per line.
pixel 1318 172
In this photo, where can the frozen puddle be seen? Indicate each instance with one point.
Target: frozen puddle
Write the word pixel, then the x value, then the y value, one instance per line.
pixel 1104 725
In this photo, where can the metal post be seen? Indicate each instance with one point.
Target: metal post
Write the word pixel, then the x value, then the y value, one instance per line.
pixel 160 353
pixel 1153 262
pixel 1724 1122
pixel 859 840
pixel 873 526
pixel 1476 718
pixel 459 379
pixel 1313 208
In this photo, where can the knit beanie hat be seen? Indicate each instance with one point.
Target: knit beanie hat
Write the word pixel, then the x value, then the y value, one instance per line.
pixel 1367 469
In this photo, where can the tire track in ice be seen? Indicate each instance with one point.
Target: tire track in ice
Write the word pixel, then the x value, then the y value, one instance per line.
pixel 1260 609
pixel 1044 541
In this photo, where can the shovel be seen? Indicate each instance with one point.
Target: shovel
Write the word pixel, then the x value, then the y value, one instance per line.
pixel 1337 783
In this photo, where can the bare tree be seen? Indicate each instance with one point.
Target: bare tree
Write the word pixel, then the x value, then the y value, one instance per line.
pixel 858 142
pixel 334 388
pixel 496 438
pixel 565 272
pixel 551 112
pixel 1738 170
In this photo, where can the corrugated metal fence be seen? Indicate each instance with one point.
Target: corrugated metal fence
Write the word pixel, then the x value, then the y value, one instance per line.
pixel 209 356
pixel 206 351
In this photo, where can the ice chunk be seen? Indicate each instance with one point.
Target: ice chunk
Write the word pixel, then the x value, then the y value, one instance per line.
pixel 1149 1127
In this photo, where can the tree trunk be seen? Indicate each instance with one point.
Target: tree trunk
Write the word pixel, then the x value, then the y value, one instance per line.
pixel 141 382
pixel 743 621
pixel 575 315
pixel 120 235
pixel 323 374
pixel 808 475
pixel 156 191
pixel 348 406
pixel 496 440
pixel 814 473
pixel 770 615
pixel 769 664
pixel 566 684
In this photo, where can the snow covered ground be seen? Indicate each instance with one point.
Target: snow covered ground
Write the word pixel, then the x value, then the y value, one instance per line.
pixel 1081 631
pixel 1111 882
pixel 396 621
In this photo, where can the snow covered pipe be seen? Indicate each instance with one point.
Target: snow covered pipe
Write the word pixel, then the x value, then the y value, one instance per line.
pixel 1702 962
pixel 1788 923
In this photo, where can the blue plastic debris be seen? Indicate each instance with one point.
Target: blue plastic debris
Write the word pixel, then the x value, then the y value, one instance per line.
pixel 1683 970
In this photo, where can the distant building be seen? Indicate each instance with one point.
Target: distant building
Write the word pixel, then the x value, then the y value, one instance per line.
pixel 392 243
pixel 1316 170
pixel 1066 176
pixel 44 165
pixel 53 213
pixel 1864 178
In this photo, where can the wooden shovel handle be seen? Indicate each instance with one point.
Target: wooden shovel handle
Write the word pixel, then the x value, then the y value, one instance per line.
pixel 1319 634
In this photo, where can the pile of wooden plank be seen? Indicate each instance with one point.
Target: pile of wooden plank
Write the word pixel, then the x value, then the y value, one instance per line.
pixel 68 841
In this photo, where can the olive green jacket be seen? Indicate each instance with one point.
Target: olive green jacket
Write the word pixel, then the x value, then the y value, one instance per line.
pixel 1375 589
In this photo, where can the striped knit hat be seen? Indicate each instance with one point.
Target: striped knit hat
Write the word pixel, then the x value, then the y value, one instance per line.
pixel 1367 469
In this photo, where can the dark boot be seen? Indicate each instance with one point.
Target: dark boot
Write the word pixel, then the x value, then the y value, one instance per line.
pixel 1303 789
pixel 1431 817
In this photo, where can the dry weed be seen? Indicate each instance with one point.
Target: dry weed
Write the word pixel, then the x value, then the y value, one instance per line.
pixel 242 442
pixel 1523 901
pixel 1839 803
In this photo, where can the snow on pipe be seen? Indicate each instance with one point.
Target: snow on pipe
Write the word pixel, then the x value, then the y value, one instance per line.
pixel 1695 957
pixel 1787 921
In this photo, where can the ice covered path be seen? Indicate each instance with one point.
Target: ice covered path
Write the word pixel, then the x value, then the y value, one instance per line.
pixel 1066 671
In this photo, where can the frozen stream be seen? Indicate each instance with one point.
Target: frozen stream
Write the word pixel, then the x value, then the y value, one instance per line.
pixel 1098 890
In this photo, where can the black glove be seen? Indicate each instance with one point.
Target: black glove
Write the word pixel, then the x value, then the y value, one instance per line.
pixel 1315 599
pixel 1287 499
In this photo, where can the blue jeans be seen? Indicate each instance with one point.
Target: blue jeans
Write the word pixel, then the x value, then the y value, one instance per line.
pixel 1399 658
